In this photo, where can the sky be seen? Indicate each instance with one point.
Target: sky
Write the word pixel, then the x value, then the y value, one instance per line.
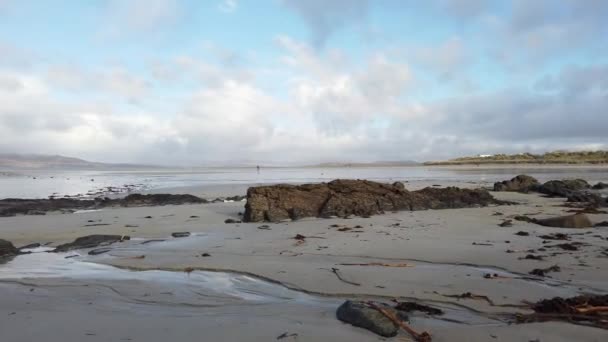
pixel 205 82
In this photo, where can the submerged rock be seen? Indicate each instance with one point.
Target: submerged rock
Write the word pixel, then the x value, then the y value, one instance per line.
pixel 343 198
pixel 361 315
pixel 90 241
pixel 7 249
pixel 521 183
pixel 570 221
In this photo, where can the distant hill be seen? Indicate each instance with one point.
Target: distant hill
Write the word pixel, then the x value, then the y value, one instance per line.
pixel 42 161
pixel 371 164
pixel 556 157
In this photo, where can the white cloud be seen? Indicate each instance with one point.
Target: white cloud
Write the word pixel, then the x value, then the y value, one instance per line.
pixel 328 107
pixel 228 6
pixel 116 80
pixel 326 17
pixel 133 17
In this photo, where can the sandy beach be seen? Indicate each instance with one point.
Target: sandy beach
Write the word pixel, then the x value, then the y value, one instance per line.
pixel 440 254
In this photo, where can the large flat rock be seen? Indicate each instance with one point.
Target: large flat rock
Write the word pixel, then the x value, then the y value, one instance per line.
pixel 342 198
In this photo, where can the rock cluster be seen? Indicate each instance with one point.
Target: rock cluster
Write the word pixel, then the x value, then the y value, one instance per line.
pixel 12 207
pixel 563 188
pixel 343 198
pixel 575 190
pixel 521 183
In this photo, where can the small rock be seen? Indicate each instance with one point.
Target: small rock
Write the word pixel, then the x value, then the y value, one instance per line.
pixel 361 315
pixel 522 233
pixel 99 251
pixel 571 221
pixel 30 246
pixel 555 236
pixel 231 221
pixel 506 223
pixel 533 257
pixel 541 272
pixel 180 234
pixel 523 218
pixel 7 248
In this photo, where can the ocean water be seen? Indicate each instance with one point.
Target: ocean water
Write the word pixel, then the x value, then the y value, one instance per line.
pixel 59 183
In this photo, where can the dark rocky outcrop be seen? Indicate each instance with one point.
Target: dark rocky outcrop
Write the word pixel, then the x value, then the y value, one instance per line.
pixel 521 183
pixel 90 241
pixel 7 249
pixel 361 315
pixel 593 200
pixel 600 186
pixel 563 188
pixel 13 206
pixel 159 199
pixel 570 221
pixel 344 198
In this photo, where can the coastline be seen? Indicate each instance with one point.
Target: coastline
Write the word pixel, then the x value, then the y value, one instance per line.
pixel 439 244
pixel 426 256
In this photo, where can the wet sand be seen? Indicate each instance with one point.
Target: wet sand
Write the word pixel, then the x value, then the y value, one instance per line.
pixel 449 252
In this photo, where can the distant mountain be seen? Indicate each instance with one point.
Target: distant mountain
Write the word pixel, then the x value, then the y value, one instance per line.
pixel 43 161
pixel 556 157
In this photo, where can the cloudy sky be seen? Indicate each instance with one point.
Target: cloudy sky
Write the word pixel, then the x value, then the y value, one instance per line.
pixel 301 81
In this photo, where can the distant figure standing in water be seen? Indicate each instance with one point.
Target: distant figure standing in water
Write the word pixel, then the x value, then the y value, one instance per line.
pixel 258 167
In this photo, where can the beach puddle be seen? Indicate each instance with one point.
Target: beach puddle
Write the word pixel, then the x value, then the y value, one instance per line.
pixel 182 293
pixel 225 287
